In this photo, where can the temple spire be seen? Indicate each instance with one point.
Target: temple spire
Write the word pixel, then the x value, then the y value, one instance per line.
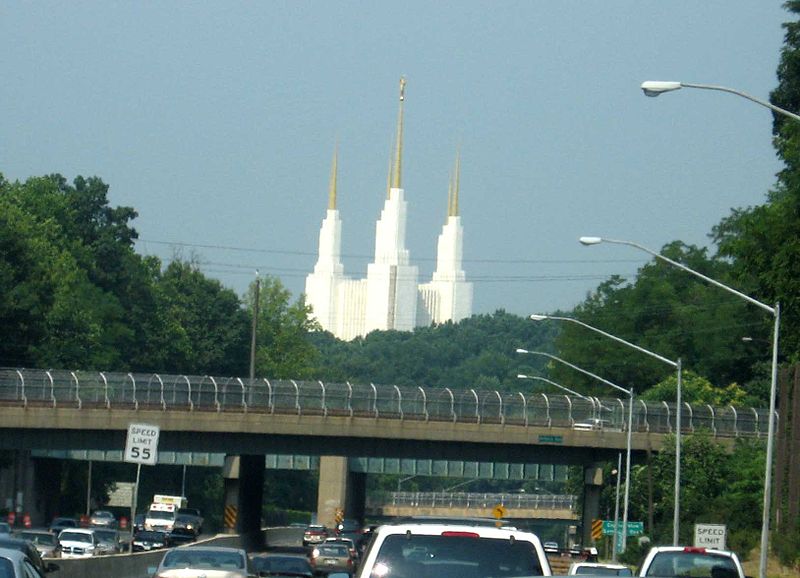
pixel 398 152
pixel 332 185
pixel 453 204
pixel 389 174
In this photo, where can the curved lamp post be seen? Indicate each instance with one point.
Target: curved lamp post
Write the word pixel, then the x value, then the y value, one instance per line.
pixel 558 385
pixel 776 312
pixel 678 367
pixel 657 87
pixel 627 392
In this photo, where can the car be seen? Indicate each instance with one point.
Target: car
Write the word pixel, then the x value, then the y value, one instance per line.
pixel 351 545
pixel 282 565
pixel 78 543
pixel 188 523
pixel 147 540
pixel 138 522
pixel 59 524
pixel 5 528
pixel 30 551
pixel 551 547
pixel 594 424
pixel 46 543
pixel 191 519
pixel 314 534
pixel 330 557
pixel 211 561
pixel 180 536
pixel 103 518
pixel 109 541
pixel 411 550
pixel 691 561
pixel 597 569
pixel 15 564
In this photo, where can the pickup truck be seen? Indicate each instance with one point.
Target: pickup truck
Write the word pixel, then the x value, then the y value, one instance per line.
pixel 691 561
pixel 454 549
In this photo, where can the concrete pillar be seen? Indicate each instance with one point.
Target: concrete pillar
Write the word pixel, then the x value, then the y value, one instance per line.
pixel 592 485
pixel 356 504
pixel 332 493
pixel 244 490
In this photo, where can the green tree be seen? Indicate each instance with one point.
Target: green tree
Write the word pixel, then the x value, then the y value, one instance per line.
pixel 284 349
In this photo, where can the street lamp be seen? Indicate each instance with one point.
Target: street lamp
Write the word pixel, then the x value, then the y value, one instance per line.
pixel 776 312
pixel 616 506
pixel 558 385
pixel 630 428
pixel 678 367
pixel 656 87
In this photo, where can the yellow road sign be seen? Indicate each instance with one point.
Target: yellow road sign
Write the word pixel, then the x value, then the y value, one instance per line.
pixel 499 511
pixel 597 529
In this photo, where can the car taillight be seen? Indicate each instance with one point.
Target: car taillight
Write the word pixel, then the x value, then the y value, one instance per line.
pixel 694 550
pixel 460 535
pixel 349 562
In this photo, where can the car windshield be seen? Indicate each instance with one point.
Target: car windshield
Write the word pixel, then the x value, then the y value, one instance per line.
pixel 150 536
pixel 106 535
pixel 43 538
pixel 278 565
pixel 333 550
pixel 68 536
pixel 694 564
pixel 6 568
pixel 409 556
pixel 202 559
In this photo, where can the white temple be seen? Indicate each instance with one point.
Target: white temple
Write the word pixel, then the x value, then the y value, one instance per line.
pixel 390 297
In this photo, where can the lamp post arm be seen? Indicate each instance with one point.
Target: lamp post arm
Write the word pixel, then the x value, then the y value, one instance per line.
pixel 764 103
pixel 747 298
pixel 558 385
pixel 576 368
pixel 615 338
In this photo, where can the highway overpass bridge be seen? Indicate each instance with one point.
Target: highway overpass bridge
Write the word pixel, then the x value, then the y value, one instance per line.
pixel 245 420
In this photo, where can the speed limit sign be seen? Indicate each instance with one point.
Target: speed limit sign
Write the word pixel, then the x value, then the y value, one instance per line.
pixel 142 444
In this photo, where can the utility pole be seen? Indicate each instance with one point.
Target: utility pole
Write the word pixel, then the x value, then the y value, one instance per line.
pixel 255 328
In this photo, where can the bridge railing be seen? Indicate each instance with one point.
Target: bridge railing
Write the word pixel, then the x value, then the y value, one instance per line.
pixel 474 500
pixel 84 389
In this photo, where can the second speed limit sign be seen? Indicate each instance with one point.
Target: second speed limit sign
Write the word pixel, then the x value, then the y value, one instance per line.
pixel 142 444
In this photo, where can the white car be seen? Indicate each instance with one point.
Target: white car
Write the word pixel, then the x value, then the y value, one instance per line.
pixel 16 564
pixel 410 550
pixel 598 569
pixel 551 547
pixel 78 543
pixel 211 562
pixel 691 561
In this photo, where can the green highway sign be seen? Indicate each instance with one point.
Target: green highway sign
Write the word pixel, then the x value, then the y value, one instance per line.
pixel 551 439
pixel 634 528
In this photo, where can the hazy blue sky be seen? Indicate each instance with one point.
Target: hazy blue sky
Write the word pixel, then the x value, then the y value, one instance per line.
pixel 217 122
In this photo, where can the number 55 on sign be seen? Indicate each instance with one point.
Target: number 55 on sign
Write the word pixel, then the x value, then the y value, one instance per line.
pixel 142 444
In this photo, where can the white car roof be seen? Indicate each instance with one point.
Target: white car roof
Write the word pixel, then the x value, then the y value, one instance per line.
pixel 77 531
pixel 438 528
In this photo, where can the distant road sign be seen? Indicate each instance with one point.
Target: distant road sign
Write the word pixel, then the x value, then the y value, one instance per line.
pixel 141 446
pixel 710 536
pixel 634 528
pixel 551 439
pixel 499 511
pixel 122 495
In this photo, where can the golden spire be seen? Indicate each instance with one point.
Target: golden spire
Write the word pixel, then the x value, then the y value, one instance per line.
pixel 398 152
pixel 332 186
pixel 454 195
pixel 450 195
pixel 389 174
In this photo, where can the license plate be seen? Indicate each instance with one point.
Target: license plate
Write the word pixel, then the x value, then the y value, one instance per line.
pixel 331 561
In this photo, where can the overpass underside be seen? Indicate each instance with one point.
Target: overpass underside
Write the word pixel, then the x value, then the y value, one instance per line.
pixel 471 512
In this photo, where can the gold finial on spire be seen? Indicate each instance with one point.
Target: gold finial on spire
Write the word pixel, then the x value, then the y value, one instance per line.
pixel 398 152
pixel 450 194
pixel 332 185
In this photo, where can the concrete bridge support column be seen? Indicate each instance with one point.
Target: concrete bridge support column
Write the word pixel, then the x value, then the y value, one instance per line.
pixel 244 496
pixel 339 489
pixel 592 485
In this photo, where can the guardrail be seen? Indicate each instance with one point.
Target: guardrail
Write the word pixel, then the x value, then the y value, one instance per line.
pixel 162 392
pixel 474 500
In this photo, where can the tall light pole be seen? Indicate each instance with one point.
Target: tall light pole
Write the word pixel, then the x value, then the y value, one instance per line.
pixel 657 87
pixel 630 429
pixel 553 383
pixel 776 312
pixel 677 365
